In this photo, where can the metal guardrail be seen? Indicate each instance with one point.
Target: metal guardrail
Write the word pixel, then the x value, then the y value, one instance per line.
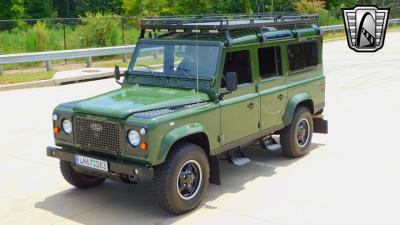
pixel 65 54
pixel 341 27
pixel 92 52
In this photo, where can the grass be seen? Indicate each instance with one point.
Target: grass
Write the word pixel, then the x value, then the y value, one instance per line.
pixel 26 40
pixel 327 18
pixel 25 77
pixel 336 35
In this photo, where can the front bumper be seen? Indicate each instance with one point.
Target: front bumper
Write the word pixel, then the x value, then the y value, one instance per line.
pixel 120 171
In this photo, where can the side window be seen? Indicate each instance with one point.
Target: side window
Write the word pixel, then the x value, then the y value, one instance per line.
pixel 238 62
pixel 269 60
pixel 302 55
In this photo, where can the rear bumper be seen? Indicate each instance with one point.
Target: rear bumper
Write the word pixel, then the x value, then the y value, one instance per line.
pixel 117 170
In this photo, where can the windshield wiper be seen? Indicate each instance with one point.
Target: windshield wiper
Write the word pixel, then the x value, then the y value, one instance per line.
pixel 185 71
pixel 149 69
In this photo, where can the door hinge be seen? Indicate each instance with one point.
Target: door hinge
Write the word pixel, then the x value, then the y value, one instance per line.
pixel 259 124
pixel 221 138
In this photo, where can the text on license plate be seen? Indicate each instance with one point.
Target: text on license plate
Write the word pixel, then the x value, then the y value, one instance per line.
pixel 90 162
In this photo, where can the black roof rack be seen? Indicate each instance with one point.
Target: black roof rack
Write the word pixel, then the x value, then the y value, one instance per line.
pixel 226 23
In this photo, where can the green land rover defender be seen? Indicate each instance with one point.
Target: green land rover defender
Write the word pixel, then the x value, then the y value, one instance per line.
pixel 197 90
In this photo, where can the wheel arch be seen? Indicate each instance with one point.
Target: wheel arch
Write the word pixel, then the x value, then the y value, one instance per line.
pixel 302 99
pixel 200 139
pixel 193 133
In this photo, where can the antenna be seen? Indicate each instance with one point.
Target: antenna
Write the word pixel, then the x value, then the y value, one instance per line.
pixel 197 61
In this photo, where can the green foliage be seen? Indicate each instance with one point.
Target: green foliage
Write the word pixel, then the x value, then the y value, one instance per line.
pixel 21 40
pixel 41 35
pixel 12 9
pixel 98 29
pixel 187 7
pixel 309 6
pixel 17 41
pixel 38 9
pixel 335 5
pixel 329 18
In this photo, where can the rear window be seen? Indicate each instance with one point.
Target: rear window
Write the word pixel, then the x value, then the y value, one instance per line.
pixel 302 55
pixel 270 64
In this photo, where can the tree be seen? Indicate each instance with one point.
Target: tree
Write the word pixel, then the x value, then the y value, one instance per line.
pixel 38 9
pixel 76 8
pixel 335 4
pixel 12 9
pixel 309 6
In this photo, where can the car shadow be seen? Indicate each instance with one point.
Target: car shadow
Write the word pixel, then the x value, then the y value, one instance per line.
pixel 116 203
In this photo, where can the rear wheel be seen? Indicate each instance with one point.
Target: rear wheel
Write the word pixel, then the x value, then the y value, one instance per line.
pixel 182 180
pixel 77 179
pixel 296 138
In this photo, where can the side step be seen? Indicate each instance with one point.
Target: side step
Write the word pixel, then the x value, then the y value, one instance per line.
pixel 270 144
pixel 236 157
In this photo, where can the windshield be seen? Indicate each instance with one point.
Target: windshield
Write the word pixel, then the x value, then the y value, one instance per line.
pixel 176 60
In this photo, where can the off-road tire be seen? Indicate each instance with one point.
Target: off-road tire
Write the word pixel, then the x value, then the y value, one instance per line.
pixel 77 179
pixel 166 178
pixel 288 138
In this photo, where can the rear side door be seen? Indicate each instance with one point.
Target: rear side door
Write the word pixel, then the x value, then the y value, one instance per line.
pixel 272 86
pixel 240 109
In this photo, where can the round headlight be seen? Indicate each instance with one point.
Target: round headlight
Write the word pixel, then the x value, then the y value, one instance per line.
pixel 55 117
pixel 142 131
pixel 67 126
pixel 133 138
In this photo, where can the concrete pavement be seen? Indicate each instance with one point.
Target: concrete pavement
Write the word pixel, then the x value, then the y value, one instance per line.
pixel 351 176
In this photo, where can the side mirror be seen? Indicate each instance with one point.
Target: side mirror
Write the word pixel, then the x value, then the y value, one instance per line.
pixel 117 73
pixel 231 81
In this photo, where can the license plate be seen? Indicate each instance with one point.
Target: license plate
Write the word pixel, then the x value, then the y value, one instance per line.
pixel 91 163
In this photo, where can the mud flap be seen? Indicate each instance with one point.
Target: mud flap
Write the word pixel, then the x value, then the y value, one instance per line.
pixel 215 170
pixel 320 125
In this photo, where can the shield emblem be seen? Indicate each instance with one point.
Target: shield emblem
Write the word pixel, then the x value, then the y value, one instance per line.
pixel 365 27
pixel 96 127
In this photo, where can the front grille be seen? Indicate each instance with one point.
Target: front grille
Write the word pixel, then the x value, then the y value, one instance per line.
pixel 103 137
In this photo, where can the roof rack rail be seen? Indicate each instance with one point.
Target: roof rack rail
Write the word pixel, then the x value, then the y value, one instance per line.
pixel 228 22
pixel 225 23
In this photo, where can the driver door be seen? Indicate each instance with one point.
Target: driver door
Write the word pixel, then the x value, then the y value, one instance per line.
pixel 240 109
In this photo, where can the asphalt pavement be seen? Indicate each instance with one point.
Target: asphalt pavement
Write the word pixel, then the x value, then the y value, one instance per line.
pixel 351 175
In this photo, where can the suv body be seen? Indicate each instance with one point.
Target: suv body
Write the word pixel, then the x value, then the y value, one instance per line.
pixel 244 85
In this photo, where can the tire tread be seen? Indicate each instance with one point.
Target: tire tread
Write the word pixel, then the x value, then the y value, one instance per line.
pixel 78 179
pixel 165 171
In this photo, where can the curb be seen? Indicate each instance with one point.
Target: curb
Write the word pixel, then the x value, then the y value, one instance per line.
pixel 33 84
pixel 61 80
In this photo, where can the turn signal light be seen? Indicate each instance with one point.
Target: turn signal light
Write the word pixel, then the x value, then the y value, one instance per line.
pixel 143 146
pixel 56 130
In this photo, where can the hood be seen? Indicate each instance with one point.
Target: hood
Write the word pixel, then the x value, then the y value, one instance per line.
pixel 123 102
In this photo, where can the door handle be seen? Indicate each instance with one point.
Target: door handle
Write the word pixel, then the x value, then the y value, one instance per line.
pixel 281 97
pixel 251 105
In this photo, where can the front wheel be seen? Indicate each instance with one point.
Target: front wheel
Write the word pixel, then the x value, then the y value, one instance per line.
pixel 77 179
pixel 296 138
pixel 182 180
